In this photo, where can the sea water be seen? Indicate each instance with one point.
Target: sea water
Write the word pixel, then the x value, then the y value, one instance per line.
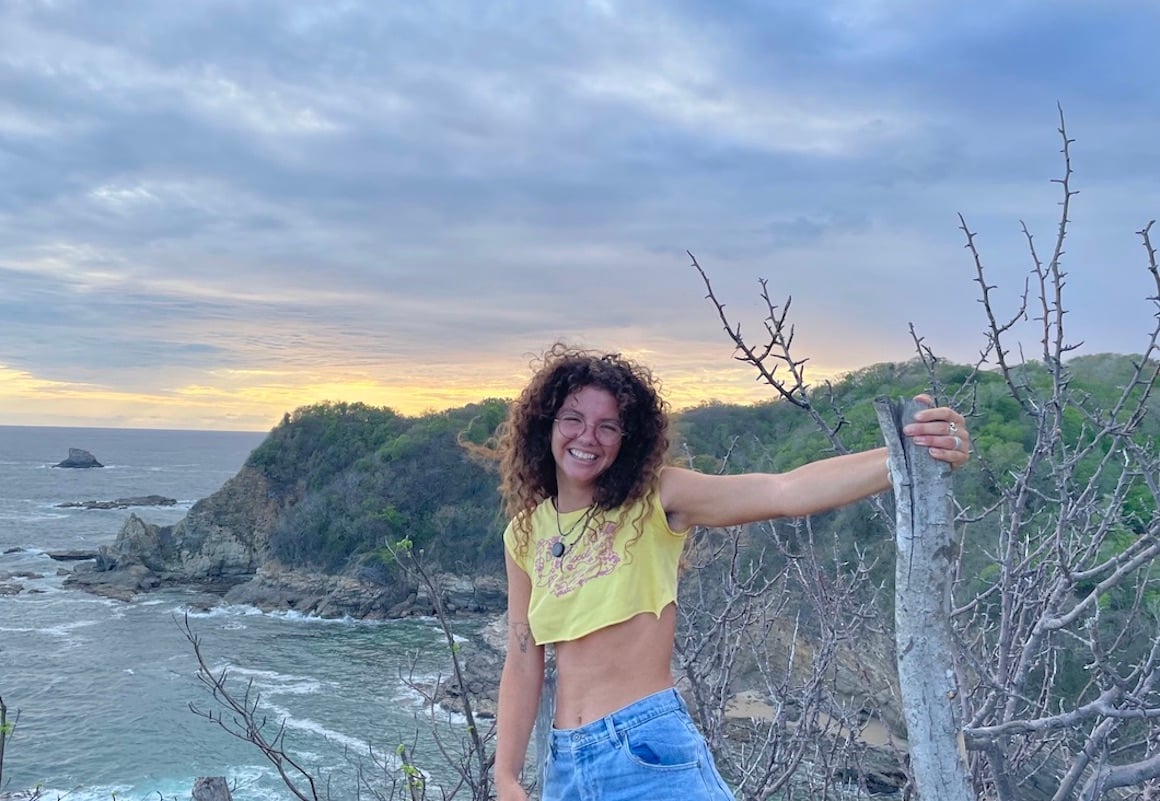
pixel 104 688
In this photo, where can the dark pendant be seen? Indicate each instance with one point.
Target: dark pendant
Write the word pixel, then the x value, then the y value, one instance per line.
pixel 557 549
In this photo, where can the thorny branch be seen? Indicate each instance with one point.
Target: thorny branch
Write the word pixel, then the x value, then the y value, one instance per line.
pixel 471 758
pixel 764 605
pixel 776 353
pixel 245 722
pixel 1058 629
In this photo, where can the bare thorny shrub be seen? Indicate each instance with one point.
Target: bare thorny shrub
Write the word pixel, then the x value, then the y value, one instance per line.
pixel 750 617
pixel 784 611
pixel 465 753
pixel 1058 655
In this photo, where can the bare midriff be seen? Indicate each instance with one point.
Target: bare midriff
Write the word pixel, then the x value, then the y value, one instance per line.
pixel 613 667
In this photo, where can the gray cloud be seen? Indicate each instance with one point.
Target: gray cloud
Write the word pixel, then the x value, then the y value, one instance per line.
pixel 191 188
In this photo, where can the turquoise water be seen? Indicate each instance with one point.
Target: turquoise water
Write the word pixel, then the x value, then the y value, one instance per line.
pixel 104 687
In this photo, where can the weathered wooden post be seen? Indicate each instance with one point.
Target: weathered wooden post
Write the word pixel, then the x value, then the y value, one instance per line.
pixel 922 602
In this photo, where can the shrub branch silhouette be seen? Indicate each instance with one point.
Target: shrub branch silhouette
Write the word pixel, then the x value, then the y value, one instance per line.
pixel 1057 584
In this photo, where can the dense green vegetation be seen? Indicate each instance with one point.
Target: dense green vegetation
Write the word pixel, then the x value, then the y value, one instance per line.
pixel 368 476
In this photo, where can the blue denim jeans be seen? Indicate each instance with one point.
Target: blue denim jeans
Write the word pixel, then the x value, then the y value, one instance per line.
pixel 648 751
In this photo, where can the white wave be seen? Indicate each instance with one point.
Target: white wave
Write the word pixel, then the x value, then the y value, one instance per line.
pixel 100 792
pixel 301 617
pixel 271 682
pixel 288 615
pixel 152 602
pixel 222 610
pixel 243 783
pixel 44 513
pixel 65 629
pixel 407 695
pixel 355 744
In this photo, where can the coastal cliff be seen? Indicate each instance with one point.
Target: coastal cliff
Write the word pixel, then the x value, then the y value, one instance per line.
pixel 221 542
pixel 307 522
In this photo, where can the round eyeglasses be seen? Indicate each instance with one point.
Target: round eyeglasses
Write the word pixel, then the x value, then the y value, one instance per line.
pixel 607 432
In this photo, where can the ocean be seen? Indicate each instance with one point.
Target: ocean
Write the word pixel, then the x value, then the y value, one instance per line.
pixel 104 688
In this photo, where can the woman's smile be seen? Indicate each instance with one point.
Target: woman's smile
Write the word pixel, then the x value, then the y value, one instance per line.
pixel 585 437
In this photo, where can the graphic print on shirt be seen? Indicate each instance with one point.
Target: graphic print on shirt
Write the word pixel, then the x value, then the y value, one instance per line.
pixel 592 556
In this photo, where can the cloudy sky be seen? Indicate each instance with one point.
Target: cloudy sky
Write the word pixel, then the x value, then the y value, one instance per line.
pixel 213 212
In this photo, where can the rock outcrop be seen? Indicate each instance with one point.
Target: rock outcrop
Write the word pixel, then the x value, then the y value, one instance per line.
pixel 212 788
pixel 120 503
pixel 221 542
pixel 78 457
pixel 326 595
pixel 73 555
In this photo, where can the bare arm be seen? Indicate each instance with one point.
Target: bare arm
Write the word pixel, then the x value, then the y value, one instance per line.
pixel 695 499
pixel 519 687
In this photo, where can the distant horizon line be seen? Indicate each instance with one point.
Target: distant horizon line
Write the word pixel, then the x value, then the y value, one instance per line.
pixel 413 416
pixel 276 419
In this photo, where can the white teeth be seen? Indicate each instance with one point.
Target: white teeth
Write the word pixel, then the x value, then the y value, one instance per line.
pixel 587 457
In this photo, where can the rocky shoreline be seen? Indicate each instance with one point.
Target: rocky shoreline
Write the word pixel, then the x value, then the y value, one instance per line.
pixel 120 503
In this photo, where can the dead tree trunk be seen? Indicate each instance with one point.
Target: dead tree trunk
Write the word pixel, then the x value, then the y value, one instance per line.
pixel 922 608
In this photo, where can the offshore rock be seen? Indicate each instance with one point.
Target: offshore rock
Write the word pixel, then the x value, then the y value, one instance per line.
pixel 120 503
pixel 78 457
pixel 73 555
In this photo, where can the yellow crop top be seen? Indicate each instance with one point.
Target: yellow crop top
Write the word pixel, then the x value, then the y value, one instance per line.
pixel 596 581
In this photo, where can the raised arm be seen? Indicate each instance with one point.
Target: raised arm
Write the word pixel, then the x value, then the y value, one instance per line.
pixel 519 688
pixel 695 499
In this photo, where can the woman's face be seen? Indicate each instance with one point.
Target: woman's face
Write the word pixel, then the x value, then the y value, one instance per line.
pixel 585 437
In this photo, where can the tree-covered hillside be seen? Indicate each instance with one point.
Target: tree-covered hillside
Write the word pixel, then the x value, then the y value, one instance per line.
pixel 367 476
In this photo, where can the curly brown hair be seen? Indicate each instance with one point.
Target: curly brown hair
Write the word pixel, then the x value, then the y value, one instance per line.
pixel 527 468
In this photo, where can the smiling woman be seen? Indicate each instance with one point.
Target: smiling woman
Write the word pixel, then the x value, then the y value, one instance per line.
pixel 592 554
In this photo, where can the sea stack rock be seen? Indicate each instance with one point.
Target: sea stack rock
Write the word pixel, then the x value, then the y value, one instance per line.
pixel 78 457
